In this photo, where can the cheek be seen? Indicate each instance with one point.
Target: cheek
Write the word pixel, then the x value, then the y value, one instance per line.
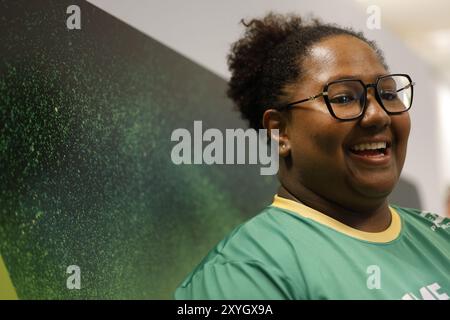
pixel 402 126
pixel 317 140
pixel 327 143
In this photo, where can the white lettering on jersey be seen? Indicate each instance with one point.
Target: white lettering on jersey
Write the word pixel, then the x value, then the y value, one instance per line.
pixel 374 278
pixel 429 292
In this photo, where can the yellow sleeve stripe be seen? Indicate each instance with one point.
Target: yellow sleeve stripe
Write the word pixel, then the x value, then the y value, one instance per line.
pixel 7 291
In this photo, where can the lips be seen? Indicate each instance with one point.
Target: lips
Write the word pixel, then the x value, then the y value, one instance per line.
pixel 370 149
pixel 371 152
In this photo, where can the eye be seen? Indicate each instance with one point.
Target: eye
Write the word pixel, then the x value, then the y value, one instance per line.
pixel 342 99
pixel 389 95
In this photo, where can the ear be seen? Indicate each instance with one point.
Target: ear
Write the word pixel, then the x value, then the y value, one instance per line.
pixel 274 119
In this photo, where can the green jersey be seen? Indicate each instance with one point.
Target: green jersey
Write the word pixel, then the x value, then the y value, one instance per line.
pixel 291 251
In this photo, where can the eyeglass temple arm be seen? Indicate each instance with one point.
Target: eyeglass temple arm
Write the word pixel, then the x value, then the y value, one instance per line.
pixel 304 100
pixel 411 84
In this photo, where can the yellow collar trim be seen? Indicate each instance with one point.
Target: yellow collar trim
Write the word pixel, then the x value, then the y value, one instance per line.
pixel 391 233
pixel 7 291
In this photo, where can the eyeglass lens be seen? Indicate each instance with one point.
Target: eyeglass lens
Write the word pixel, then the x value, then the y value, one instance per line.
pixel 347 98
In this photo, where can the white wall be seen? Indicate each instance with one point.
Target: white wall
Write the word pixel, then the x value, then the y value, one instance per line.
pixel 444 133
pixel 203 30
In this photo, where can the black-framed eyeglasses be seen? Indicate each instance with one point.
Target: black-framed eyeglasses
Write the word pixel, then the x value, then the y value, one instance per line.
pixel 346 99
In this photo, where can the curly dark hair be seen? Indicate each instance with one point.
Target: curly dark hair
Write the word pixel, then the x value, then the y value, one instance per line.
pixel 269 56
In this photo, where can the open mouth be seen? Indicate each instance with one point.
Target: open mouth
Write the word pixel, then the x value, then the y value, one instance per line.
pixel 373 149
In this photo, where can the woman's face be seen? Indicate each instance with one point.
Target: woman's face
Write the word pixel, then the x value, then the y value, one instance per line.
pixel 320 145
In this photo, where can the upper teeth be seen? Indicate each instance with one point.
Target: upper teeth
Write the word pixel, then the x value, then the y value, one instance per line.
pixel 370 146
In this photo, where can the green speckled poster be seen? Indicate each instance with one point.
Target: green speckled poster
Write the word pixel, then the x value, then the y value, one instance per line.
pixel 87 185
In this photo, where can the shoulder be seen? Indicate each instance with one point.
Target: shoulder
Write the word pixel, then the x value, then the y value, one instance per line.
pixel 266 238
pixel 249 263
pixel 424 219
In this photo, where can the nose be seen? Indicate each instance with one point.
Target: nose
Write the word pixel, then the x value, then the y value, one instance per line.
pixel 374 116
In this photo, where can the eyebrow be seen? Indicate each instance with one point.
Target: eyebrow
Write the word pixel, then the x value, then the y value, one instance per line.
pixel 353 77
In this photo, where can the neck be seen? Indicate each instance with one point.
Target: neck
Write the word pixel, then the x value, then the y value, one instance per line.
pixel 376 218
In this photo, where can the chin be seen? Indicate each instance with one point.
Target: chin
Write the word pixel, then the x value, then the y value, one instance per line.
pixel 375 188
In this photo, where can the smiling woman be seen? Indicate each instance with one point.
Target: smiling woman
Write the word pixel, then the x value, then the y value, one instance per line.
pixel 343 126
